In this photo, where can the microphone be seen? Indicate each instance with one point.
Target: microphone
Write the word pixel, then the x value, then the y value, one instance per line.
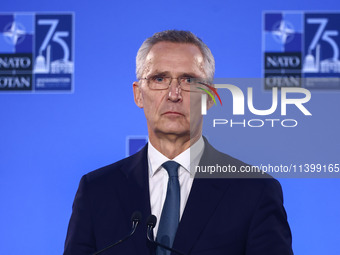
pixel 151 223
pixel 135 218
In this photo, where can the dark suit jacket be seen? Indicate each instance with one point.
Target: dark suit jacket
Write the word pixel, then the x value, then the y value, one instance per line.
pixel 222 216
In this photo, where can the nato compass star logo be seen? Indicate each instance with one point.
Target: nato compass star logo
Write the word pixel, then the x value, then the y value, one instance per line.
pixel 14 33
pixel 283 32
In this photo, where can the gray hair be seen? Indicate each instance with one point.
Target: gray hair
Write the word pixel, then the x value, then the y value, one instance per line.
pixel 175 36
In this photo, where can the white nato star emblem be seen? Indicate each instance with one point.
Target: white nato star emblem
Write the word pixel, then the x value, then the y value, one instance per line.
pixel 14 33
pixel 283 31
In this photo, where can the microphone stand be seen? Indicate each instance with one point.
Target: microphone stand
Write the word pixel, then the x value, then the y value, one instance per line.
pixel 136 217
pixel 151 223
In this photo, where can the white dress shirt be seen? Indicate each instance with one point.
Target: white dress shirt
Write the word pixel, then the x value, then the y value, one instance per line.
pixel 158 176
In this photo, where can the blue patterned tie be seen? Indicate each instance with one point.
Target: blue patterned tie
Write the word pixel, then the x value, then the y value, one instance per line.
pixel 170 214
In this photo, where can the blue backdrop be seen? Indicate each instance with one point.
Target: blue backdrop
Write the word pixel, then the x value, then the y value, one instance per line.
pixel 48 141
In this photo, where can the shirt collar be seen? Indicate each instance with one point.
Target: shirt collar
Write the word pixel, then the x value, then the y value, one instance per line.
pixel 191 155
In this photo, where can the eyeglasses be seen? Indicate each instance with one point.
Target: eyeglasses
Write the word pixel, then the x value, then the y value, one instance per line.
pixel 186 83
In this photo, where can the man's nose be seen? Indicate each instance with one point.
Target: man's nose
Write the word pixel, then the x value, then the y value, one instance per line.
pixel 175 93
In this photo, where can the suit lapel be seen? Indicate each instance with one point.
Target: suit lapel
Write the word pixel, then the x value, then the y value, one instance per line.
pixel 138 183
pixel 135 195
pixel 205 196
pixel 203 199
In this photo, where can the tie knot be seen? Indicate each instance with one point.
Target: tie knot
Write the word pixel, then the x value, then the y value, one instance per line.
pixel 172 168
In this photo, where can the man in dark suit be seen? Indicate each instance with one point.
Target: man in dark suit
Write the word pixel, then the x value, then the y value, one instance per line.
pixel 242 215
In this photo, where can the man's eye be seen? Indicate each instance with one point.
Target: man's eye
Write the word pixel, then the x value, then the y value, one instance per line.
pixel 188 80
pixel 158 79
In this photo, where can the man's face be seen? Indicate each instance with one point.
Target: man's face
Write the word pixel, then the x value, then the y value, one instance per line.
pixel 168 111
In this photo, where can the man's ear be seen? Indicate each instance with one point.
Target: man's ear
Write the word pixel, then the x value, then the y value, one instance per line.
pixel 210 102
pixel 137 93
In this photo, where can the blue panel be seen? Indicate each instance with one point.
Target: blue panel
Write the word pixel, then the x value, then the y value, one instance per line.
pixel 5 20
pixel 271 19
pixel 271 45
pixel 26 45
pixel 296 19
pixel 5 46
pixel 27 20
pixel 294 45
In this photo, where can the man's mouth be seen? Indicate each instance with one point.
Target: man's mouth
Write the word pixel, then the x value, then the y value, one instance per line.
pixel 173 113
